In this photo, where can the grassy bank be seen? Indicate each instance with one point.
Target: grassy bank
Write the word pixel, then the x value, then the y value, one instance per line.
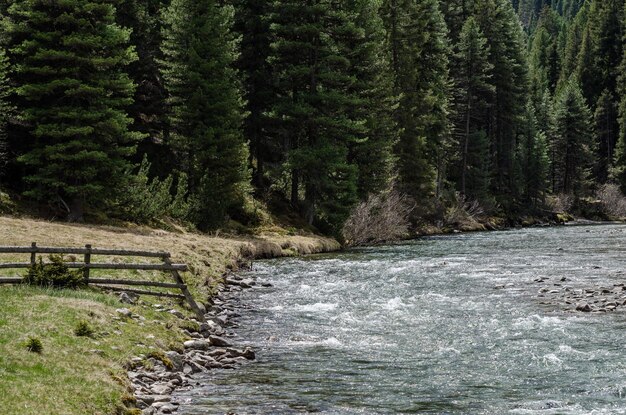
pixel 85 375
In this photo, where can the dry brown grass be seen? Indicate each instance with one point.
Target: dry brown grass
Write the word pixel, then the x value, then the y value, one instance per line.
pixel 208 257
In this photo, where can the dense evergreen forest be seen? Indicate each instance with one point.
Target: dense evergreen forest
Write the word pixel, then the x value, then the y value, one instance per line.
pixel 202 110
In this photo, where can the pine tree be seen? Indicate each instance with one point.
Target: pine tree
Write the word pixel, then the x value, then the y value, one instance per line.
pixel 456 12
pixel 252 23
pixel 573 136
pixel 69 61
pixel 370 67
pixel 417 39
pixel 205 107
pixel 618 171
pixel 575 33
pixel 473 92
pixel 510 78
pixel 605 135
pixel 601 50
pixel 148 110
pixel 5 110
pixel 313 108
pixel 532 159
pixel 544 59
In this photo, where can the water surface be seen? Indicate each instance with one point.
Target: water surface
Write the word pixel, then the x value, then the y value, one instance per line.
pixel 427 327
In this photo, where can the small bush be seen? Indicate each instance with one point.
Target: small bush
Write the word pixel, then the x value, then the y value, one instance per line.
pixel 83 329
pixel 612 200
pixel 146 199
pixel 381 218
pixel 463 211
pixel 55 274
pixel 560 203
pixel 34 345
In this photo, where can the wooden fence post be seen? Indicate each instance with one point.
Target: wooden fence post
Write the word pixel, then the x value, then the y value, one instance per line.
pixel 87 262
pixel 33 254
pixel 179 280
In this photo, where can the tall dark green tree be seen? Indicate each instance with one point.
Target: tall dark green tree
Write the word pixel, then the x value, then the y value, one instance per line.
pixel 148 110
pixel 473 92
pixel 510 78
pixel 252 23
pixel 606 134
pixel 69 61
pixel 205 107
pixel 314 107
pixel 373 86
pixel 419 50
pixel 601 50
pixel 618 171
pixel 544 59
pixel 575 34
pixel 533 160
pixel 574 138
pixel 4 111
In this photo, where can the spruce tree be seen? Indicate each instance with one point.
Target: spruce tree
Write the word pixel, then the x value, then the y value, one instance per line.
pixel 373 86
pixel 473 92
pixel 69 60
pixel 252 23
pixel 205 107
pixel 601 50
pixel 605 135
pixel 510 79
pixel 5 110
pixel 532 159
pixel 575 33
pixel 148 110
pixel 417 39
pixel 618 172
pixel 574 139
pixel 313 109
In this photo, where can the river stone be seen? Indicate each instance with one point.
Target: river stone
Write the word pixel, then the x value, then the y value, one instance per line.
pixel 584 307
pixel 168 408
pixel 177 314
pixel 148 411
pixel 197 344
pixel 247 283
pixel 124 312
pixel 125 298
pixel 177 360
pixel 161 390
pixel 219 341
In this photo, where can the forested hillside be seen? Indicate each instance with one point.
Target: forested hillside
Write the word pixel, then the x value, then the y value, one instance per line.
pixel 199 110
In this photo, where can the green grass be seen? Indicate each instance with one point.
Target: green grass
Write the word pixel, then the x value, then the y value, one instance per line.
pixel 69 377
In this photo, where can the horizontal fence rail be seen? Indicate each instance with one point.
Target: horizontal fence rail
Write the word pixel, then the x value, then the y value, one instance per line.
pixel 108 283
pixel 95 265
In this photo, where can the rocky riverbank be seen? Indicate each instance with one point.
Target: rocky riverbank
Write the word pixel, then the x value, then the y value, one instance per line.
pixel 568 296
pixel 211 345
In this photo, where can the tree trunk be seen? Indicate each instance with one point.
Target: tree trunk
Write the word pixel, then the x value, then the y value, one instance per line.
pixel 77 210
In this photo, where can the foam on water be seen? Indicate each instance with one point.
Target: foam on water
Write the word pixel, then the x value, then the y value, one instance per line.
pixel 317 307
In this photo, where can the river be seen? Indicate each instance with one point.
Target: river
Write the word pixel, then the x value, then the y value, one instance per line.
pixel 442 325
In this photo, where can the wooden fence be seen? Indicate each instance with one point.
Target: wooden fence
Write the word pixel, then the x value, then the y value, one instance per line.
pixel 86 266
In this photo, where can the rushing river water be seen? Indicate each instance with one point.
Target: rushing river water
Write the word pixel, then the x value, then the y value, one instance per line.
pixel 427 327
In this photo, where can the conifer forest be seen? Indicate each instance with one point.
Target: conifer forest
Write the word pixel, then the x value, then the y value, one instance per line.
pixel 203 110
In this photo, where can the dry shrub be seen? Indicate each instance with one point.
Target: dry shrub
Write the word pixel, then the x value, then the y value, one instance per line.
pixel 463 211
pixel 381 218
pixel 612 200
pixel 560 203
